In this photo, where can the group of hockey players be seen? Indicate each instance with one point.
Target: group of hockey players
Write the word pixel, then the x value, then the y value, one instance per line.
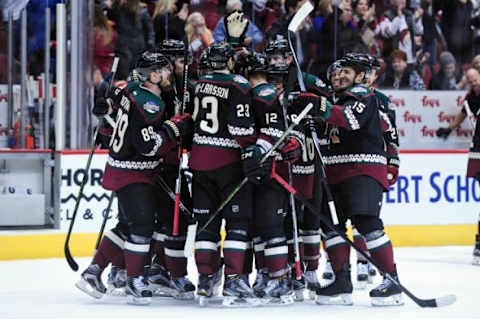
pixel 229 120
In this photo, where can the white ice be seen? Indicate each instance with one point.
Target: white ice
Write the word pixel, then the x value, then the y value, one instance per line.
pixel 42 289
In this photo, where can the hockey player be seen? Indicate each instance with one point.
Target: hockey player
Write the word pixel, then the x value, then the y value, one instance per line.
pixel 279 54
pixel 224 130
pixel 471 108
pixel 270 200
pixel 141 135
pixel 356 166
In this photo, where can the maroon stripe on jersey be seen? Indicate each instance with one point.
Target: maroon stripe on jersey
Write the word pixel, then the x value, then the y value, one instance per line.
pixel 339 173
pixel 384 257
pixel 473 167
pixel 304 184
pixel 114 179
pixel 391 150
pixel 206 158
pixel 135 263
pixel 108 252
pixel 246 140
pixel 176 266
pixel 234 261
pixel 337 117
pixel 339 256
pixel 208 262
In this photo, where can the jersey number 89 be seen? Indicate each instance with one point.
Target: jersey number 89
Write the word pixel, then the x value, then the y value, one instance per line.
pixel 116 141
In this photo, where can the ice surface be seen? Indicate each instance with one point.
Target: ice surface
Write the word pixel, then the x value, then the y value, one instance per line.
pixel 42 289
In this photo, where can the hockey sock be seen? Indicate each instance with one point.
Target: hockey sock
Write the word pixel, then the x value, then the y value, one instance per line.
pixel 359 241
pixel 109 250
pixel 175 260
pixel 291 250
pixel 157 248
pixel 338 252
pixel 381 249
pixel 311 248
pixel 276 256
pixel 235 247
pixel 248 266
pixel 207 257
pixel 259 248
pixel 136 256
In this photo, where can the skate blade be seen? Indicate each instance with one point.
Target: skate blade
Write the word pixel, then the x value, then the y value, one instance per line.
pixel 361 285
pixel 476 260
pixel 312 294
pixel 236 302
pixel 116 292
pixel 161 290
pixel 189 295
pixel 282 301
pixel 341 300
pixel 394 300
pixel 84 286
pixel 298 295
pixel 139 301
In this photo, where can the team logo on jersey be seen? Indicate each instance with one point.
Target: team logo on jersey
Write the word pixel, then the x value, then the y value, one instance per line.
pixel 358 89
pixel 151 107
pixel 235 208
pixel 319 83
pixel 240 79
pixel 266 92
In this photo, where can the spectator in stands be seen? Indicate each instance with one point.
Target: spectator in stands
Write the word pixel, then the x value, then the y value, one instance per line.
pixel 253 36
pixel 448 77
pixel 135 32
pixel 400 75
pixel 456 26
pixel 364 18
pixel 168 21
pixel 262 15
pixel 198 35
pixel 105 37
pixel 397 28
pixel 430 31
pixel 208 9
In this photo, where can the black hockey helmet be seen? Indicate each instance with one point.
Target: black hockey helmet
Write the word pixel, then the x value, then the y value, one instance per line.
pixel 374 62
pixel 218 54
pixel 277 73
pixel 149 62
pixel 360 62
pixel 278 47
pixel 171 48
pixel 332 68
pixel 256 63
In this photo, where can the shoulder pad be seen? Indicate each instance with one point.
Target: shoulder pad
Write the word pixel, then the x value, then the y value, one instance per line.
pixel 265 92
pixel 133 85
pixel 385 100
pixel 358 91
pixel 151 107
pixel 312 80
pixel 241 81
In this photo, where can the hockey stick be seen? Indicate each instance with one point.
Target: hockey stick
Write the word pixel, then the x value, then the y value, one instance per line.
pixel 264 158
pixel 66 248
pixel 181 153
pixel 104 222
pixel 435 302
pixel 470 114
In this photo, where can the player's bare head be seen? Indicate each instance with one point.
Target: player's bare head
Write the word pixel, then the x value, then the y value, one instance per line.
pixel 220 55
pixel 278 52
pixel 473 78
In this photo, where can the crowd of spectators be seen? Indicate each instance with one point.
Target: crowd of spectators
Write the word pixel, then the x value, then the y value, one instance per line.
pixel 422 44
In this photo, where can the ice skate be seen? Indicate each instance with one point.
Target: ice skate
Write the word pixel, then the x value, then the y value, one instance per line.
pixel 298 286
pixel 208 286
pixel 337 293
pixel 387 293
pixel 117 280
pixel 237 292
pixel 371 273
pixel 182 288
pixel 261 281
pixel 362 275
pixel 328 274
pixel 138 292
pixel 278 291
pixel 91 282
pixel 312 283
pixel 159 281
pixel 476 251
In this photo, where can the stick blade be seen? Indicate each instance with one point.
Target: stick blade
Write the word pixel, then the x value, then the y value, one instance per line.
pixel 301 14
pixel 71 262
pixel 437 302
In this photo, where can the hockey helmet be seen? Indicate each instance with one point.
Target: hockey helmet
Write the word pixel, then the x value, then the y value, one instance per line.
pixel 332 68
pixel 278 47
pixel 360 62
pixel 149 62
pixel 277 73
pixel 256 63
pixel 218 54
pixel 171 48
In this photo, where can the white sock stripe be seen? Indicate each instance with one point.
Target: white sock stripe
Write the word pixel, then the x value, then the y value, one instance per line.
pixel 290 241
pixel 281 250
pixel 137 248
pixel 235 244
pixel 206 245
pixel 334 241
pixel 316 257
pixel 115 239
pixel 259 247
pixel 372 244
pixel 356 233
pixel 174 253
pixel 159 236
pixel 311 239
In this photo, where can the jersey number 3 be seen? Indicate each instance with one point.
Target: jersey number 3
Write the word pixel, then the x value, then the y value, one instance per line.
pixel 210 123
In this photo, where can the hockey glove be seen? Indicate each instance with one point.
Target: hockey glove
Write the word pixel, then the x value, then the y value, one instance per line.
pixel 291 150
pixel 254 171
pixel 236 26
pixel 321 106
pixel 102 107
pixel 179 126
pixel 392 174
pixel 444 132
